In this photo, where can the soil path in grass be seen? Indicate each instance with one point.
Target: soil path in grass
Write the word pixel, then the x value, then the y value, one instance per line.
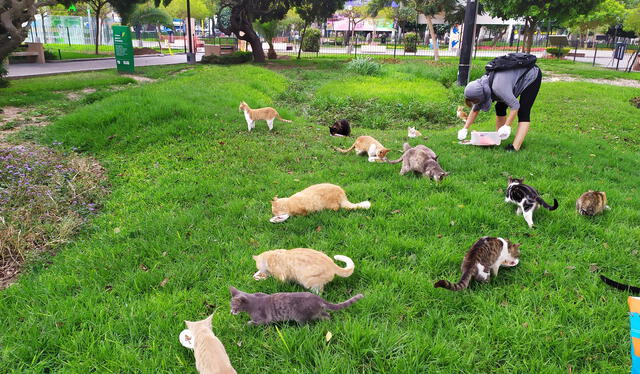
pixel 551 77
pixel 12 119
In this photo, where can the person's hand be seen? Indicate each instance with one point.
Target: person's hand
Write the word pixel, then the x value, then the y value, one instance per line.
pixel 462 134
pixel 504 132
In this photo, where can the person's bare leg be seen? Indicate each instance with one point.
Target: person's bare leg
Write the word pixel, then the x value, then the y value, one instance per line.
pixel 523 128
pixel 500 121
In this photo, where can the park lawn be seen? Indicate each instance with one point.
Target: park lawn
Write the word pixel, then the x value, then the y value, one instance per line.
pixel 190 205
pixel 584 70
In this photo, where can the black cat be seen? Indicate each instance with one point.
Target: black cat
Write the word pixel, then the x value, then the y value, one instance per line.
pixel 340 128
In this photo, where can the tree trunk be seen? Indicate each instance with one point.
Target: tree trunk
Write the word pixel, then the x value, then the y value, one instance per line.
pixel 158 34
pixel 272 55
pixel 434 39
pixel 97 11
pixel 256 45
pixel 530 33
pixel 498 37
pixel 304 31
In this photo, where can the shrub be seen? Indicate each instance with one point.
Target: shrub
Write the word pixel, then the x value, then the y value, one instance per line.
pixel 311 42
pixel 364 66
pixel 230 59
pixel 3 73
pixel 411 42
pixel 558 52
pixel 49 55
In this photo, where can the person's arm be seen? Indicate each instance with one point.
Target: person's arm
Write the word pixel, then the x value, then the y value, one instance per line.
pixel 512 116
pixel 471 118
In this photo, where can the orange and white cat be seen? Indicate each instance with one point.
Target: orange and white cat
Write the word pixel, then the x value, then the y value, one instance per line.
pixel 267 114
pixel 211 357
pixel 413 133
pixel 312 199
pixel 367 145
pixel 460 113
pixel 309 268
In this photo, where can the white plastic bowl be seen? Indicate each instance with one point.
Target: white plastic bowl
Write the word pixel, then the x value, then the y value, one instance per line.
pixel 485 138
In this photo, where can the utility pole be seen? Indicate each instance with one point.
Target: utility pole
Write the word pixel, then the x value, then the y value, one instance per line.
pixel 469 32
pixel 191 56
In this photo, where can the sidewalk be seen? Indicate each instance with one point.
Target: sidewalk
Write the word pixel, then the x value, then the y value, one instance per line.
pixel 32 70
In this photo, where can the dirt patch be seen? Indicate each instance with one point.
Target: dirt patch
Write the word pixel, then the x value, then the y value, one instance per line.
pixel 139 78
pixel 144 51
pixel 635 102
pixel 568 78
pixel 77 95
pixel 12 119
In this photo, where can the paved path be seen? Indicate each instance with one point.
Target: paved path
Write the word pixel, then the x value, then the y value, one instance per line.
pixel 28 70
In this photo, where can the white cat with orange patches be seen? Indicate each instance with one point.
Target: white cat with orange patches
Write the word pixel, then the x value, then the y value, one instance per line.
pixel 267 114
pixel 309 268
pixel 312 199
pixel 211 357
pixel 367 145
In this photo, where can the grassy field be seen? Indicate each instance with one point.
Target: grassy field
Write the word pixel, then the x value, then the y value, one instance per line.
pixel 190 205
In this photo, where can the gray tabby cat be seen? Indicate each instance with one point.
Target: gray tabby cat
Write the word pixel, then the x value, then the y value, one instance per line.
pixel 301 307
pixel 420 159
pixel 484 259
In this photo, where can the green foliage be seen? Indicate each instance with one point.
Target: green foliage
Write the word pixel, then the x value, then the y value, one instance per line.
pixel 178 9
pixel 536 10
pixel 558 52
pixel 607 13
pixel 50 55
pixel 410 42
pixel 311 42
pixel 632 20
pixel 317 10
pixel 4 82
pixel 150 16
pixel 364 66
pixel 230 59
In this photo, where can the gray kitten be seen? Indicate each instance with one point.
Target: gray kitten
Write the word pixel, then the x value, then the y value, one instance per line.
pixel 301 307
pixel 420 159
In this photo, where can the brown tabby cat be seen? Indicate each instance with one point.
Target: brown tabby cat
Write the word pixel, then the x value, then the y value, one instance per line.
pixel 312 199
pixel 367 145
pixel 301 307
pixel 484 259
pixel 252 115
pixel 591 203
pixel 307 267
pixel 211 357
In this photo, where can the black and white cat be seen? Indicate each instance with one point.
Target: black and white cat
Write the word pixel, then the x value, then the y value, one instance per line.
pixel 620 286
pixel 340 128
pixel 527 199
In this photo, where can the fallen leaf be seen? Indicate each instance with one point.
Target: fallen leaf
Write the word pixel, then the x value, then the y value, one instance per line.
pixel 59 324
pixel 571 267
pixel 504 303
pixel 452 223
pixel 143 267
pixel 525 325
pixel 592 155
pixel 413 258
pixel 319 228
pixel 634 252
pixel 593 267
pixel 164 254
pixel 116 230
pixel 605 244
pixel 546 273
pixel 460 206
pixel 439 236
pixel 221 143
pixel 328 336
pixel 108 288
pixel 296 180
pixel 254 242
pixel 289 172
pixel 164 282
pixel 395 211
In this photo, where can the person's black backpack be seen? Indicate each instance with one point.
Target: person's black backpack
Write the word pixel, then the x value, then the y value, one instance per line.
pixel 509 62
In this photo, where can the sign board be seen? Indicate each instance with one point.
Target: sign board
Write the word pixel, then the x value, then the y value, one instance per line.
pixel 558 40
pixel 123 48
pixel 618 53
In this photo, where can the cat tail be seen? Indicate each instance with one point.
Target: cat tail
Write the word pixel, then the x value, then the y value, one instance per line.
pixel 620 286
pixel 346 150
pixel 283 120
pixel 546 205
pixel 343 305
pixel 396 161
pixel 462 284
pixel 345 271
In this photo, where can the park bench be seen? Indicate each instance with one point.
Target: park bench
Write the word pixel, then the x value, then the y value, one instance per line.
pixel 373 49
pixel 219 50
pixel 33 50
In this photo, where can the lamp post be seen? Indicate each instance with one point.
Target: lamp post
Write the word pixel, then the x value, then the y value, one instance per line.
pixel 191 56
pixel 394 5
pixel 464 67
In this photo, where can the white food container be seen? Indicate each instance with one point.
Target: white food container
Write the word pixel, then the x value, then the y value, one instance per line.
pixel 485 138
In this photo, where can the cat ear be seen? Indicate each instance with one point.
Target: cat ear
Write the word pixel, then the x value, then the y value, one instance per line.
pixel 275 198
pixel 255 258
pixel 233 291
pixel 209 319
pixel 446 173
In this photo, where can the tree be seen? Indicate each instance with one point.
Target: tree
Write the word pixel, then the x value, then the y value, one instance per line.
pixel 607 13
pixel 178 9
pixel 151 16
pixel 354 15
pixel 632 20
pixel 238 16
pixel 96 7
pixel 268 30
pixel 533 11
pixel 315 11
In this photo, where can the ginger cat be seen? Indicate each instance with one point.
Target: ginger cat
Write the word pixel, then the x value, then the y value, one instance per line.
pixel 252 115
pixel 367 145
pixel 460 113
pixel 307 267
pixel 312 199
pixel 211 357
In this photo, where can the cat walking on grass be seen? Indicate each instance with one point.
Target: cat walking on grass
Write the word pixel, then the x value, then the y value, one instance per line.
pixel 267 114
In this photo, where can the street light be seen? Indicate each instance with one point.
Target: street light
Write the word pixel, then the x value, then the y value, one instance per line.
pixel 464 67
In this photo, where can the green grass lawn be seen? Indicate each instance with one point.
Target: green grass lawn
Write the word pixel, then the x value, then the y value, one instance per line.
pixel 190 203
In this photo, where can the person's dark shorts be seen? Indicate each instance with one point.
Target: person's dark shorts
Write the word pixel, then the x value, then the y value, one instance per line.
pixel 527 98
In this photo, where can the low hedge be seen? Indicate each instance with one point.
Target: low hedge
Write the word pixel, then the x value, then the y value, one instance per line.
pixel 411 42
pixel 230 59
pixel 311 42
pixel 558 52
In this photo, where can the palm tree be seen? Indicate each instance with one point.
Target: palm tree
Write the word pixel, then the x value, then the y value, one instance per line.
pixel 151 16
pixel 268 30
